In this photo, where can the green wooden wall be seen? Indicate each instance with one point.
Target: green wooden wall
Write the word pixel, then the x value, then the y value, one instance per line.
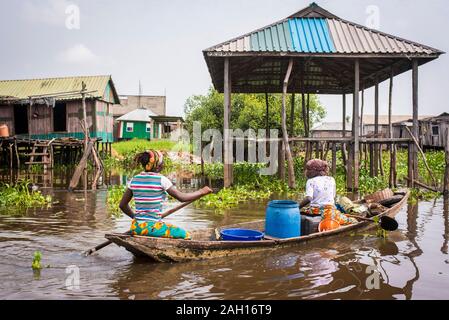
pixel 138 132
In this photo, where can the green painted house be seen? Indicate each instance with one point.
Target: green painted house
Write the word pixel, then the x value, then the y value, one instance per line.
pixel 143 123
pixel 137 124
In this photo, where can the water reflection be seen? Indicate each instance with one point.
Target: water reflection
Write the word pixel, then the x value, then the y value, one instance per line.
pixel 411 263
pixel 446 225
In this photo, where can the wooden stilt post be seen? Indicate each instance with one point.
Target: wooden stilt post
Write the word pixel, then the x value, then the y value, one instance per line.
pixel 350 166
pixel 267 119
pixel 390 131
pixel 356 122
pixel 365 152
pixel 228 154
pixel 83 100
pixel 334 158
pixel 376 127
pixel 423 156
pixel 291 172
pixel 362 107
pixel 292 115
pixel 446 174
pixel 304 114
pixel 343 145
pixel 415 117
pixel 381 164
pixel 411 178
pixel 281 161
pixel 308 115
pixel 81 166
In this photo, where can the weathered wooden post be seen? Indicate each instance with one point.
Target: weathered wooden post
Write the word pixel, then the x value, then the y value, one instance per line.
pixel 86 128
pixel 356 122
pixel 446 174
pixel 375 146
pixel 415 118
pixel 291 171
pixel 343 145
pixel 292 115
pixel 413 149
pixel 334 158
pixel 227 146
pixel 267 124
pixel 281 160
pixel 391 178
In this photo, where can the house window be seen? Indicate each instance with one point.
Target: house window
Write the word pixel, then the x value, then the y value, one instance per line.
pixel 60 117
pixel 435 130
pixel 129 127
pixel 148 128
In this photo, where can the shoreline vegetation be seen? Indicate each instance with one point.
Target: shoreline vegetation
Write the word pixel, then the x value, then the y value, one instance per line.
pixel 16 197
pixel 249 185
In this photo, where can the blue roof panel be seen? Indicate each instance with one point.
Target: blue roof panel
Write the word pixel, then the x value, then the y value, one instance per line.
pixel 310 35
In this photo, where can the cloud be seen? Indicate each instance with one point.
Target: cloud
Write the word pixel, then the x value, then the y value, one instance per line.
pixel 51 12
pixel 80 54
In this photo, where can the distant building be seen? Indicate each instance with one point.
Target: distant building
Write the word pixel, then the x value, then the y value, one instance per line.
pixel 335 129
pixel 432 130
pixel 331 130
pixel 369 123
pixel 52 107
pixel 142 123
pixel 128 103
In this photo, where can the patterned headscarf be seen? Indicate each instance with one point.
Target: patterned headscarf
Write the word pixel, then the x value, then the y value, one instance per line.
pixel 316 167
pixel 152 160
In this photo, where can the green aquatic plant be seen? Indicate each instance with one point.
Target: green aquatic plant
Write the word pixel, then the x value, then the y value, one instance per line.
pixel 22 195
pixel 36 265
pixel 228 198
pixel 115 194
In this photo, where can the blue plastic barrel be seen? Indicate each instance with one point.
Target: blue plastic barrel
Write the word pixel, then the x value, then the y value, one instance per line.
pixel 283 219
pixel 241 235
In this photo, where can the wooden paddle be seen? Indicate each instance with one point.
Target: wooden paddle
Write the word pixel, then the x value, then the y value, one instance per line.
pixel 163 215
pixel 385 222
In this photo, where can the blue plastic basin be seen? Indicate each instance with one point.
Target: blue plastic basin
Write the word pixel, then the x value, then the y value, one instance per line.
pixel 241 235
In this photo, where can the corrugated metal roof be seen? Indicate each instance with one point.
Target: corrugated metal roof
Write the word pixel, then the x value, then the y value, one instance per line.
pixel 369 119
pixel 23 89
pixel 332 126
pixel 143 115
pixel 352 38
pixel 310 35
pixel 315 31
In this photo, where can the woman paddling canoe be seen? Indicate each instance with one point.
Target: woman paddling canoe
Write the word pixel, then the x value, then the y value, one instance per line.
pixel 321 193
pixel 148 189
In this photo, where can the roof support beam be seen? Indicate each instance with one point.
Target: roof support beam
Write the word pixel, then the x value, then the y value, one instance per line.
pixel 375 161
pixel 291 171
pixel 228 154
pixel 356 122
pixel 415 116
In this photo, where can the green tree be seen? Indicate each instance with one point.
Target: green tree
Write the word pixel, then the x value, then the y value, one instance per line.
pixel 248 111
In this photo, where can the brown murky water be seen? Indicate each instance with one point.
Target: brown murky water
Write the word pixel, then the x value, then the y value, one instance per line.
pixel 413 263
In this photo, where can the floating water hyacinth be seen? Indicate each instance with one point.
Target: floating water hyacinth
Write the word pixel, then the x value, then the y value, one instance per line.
pixel 36 265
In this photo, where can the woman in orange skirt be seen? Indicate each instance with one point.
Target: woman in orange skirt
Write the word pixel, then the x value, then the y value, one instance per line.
pixel 321 192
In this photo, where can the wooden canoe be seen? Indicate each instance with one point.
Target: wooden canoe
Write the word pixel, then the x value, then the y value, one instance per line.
pixel 204 243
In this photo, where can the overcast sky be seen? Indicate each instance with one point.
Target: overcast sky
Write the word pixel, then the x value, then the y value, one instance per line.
pixel 160 43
